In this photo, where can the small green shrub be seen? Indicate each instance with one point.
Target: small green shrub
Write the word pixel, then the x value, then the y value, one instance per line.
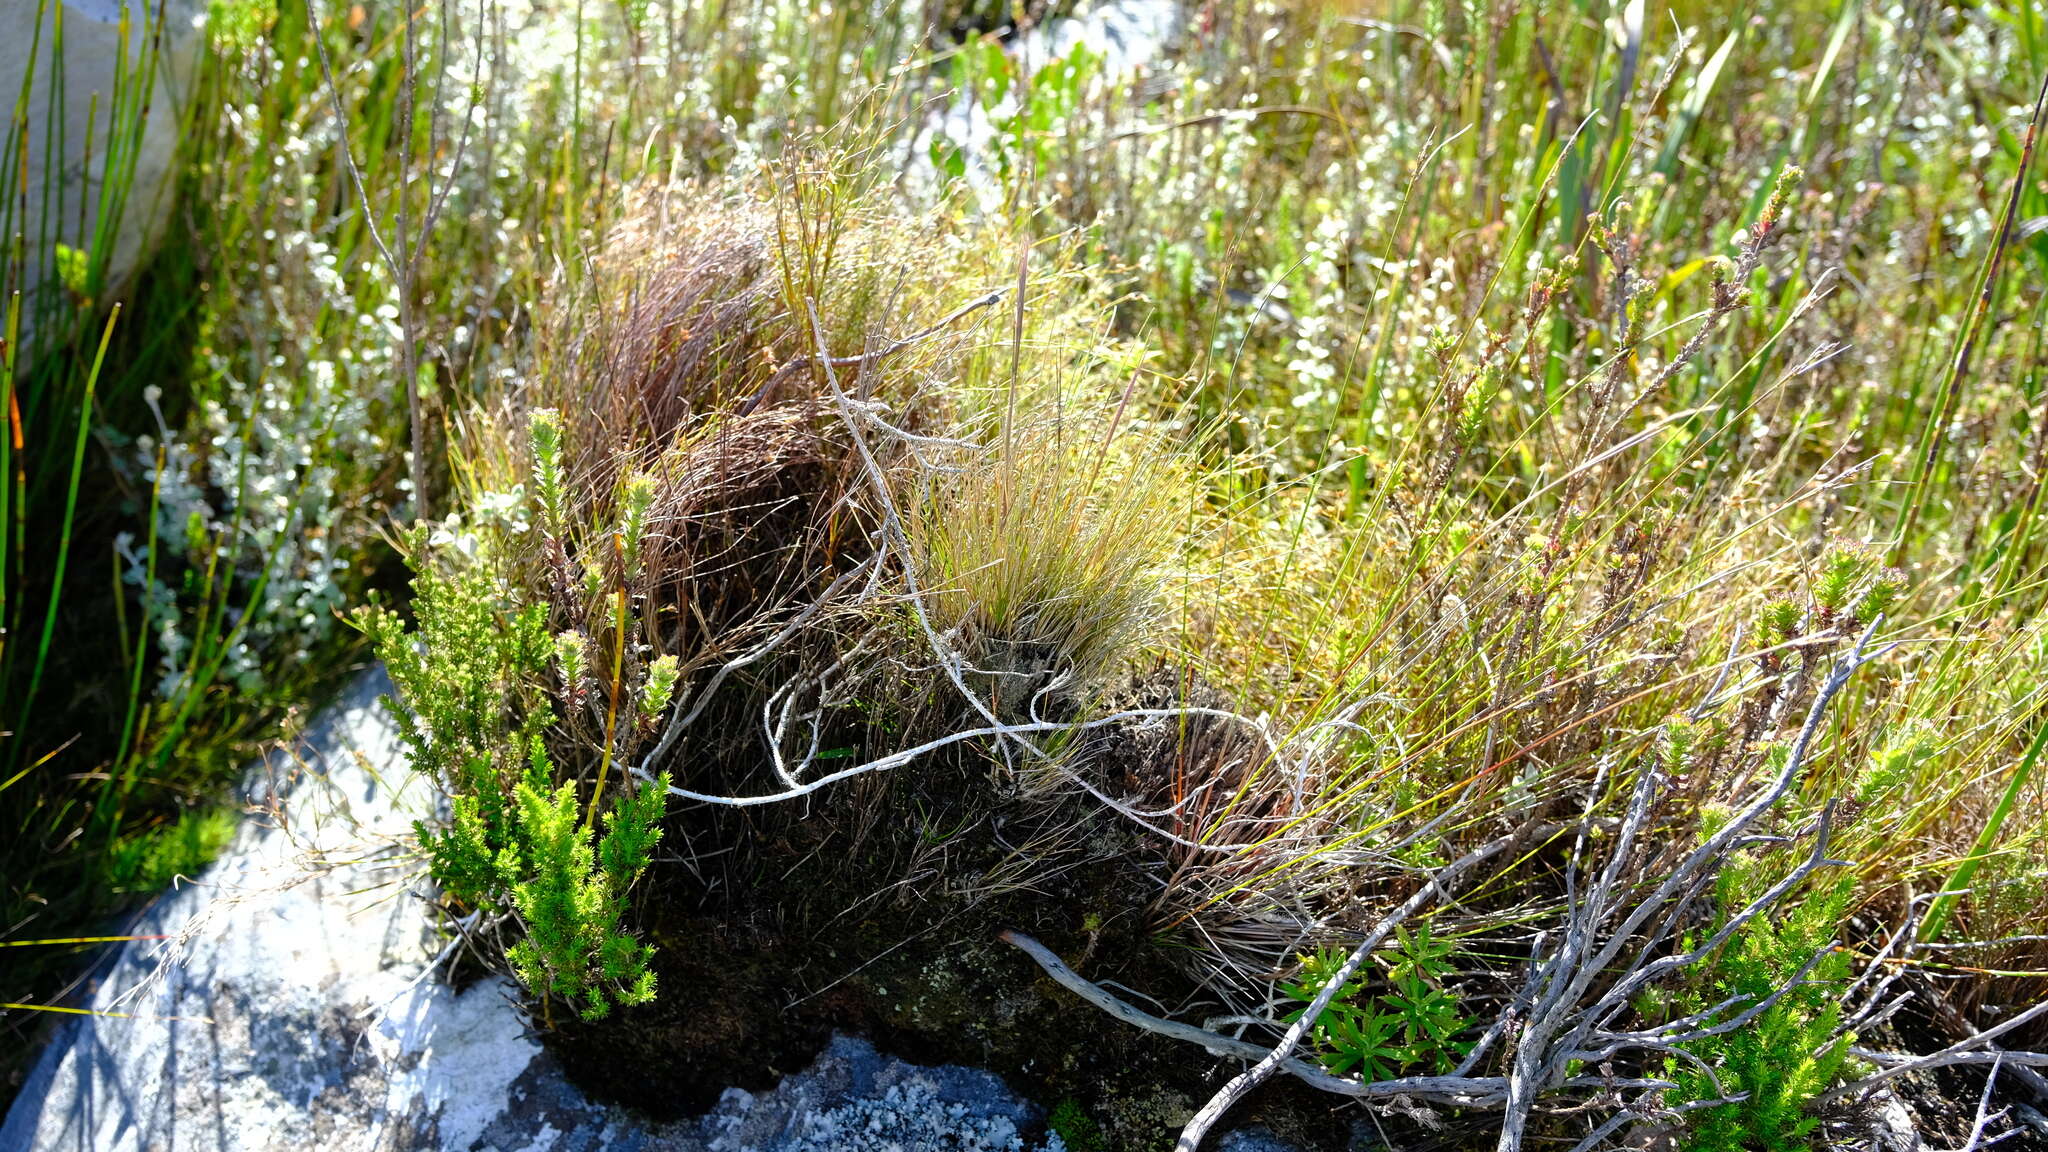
pixel 476 708
pixel 1789 1053
pixel 571 904
pixel 1412 1026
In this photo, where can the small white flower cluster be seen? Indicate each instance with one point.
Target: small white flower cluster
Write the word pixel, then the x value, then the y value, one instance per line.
pixel 265 498
pixel 504 510
pixel 254 494
pixel 1319 300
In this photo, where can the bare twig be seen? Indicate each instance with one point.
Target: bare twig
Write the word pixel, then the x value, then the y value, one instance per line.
pixel 1561 1023
pixel 1271 1062
pixel 1973 1049
pixel 1464 1091
pixel 404 249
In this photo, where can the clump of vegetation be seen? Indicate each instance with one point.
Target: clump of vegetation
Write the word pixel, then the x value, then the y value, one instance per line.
pixel 1077 1130
pixel 520 843
pixel 700 506
pixel 1414 1024
pixel 147 861
pixel 1562 482
pixel 1041 559
pixel 1791 1049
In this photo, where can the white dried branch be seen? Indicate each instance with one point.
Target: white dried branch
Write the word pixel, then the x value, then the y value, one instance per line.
pixel 701 698
pixel 1557 1029
pixel 1899 1063
pixel 898 759
pixel 1271 1062
pixel 1463 1091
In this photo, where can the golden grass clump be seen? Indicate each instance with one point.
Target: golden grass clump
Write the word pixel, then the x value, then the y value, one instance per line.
pixel 931 451
pixel 1044 554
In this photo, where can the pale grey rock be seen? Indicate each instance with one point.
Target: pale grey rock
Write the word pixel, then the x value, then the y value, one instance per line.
pixel 853 1099
pixel 1127 38
pixel 292 1007
pixel 282 1009
pixel 75 174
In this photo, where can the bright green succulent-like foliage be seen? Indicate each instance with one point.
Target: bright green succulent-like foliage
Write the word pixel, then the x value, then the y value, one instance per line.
pixel 1790 1053
pixel 1413 1026
pixel 474 709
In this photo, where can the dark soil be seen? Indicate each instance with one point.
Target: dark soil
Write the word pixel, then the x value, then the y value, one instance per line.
pixel 875 910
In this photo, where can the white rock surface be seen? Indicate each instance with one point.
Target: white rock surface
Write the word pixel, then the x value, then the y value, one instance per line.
pixel 1128 38
pixel 297 1017
pixel 1128 35
pixel 76 172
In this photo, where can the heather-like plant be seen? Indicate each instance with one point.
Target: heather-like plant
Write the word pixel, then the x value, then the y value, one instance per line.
pixel 570 903
pixel 478 677
pixel 1790 1052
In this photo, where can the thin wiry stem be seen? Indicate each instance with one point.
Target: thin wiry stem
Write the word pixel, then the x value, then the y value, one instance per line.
pixel 1463 1091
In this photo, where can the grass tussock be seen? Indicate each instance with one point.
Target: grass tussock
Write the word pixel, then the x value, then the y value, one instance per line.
pixel 1043 557
pixel 722 557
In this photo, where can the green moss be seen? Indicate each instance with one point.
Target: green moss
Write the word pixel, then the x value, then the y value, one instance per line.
pixel 148 860
pixel 1076 1129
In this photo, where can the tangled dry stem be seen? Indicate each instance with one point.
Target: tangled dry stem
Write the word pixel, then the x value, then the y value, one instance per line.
pixel 1612 946
pixel 1619 936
